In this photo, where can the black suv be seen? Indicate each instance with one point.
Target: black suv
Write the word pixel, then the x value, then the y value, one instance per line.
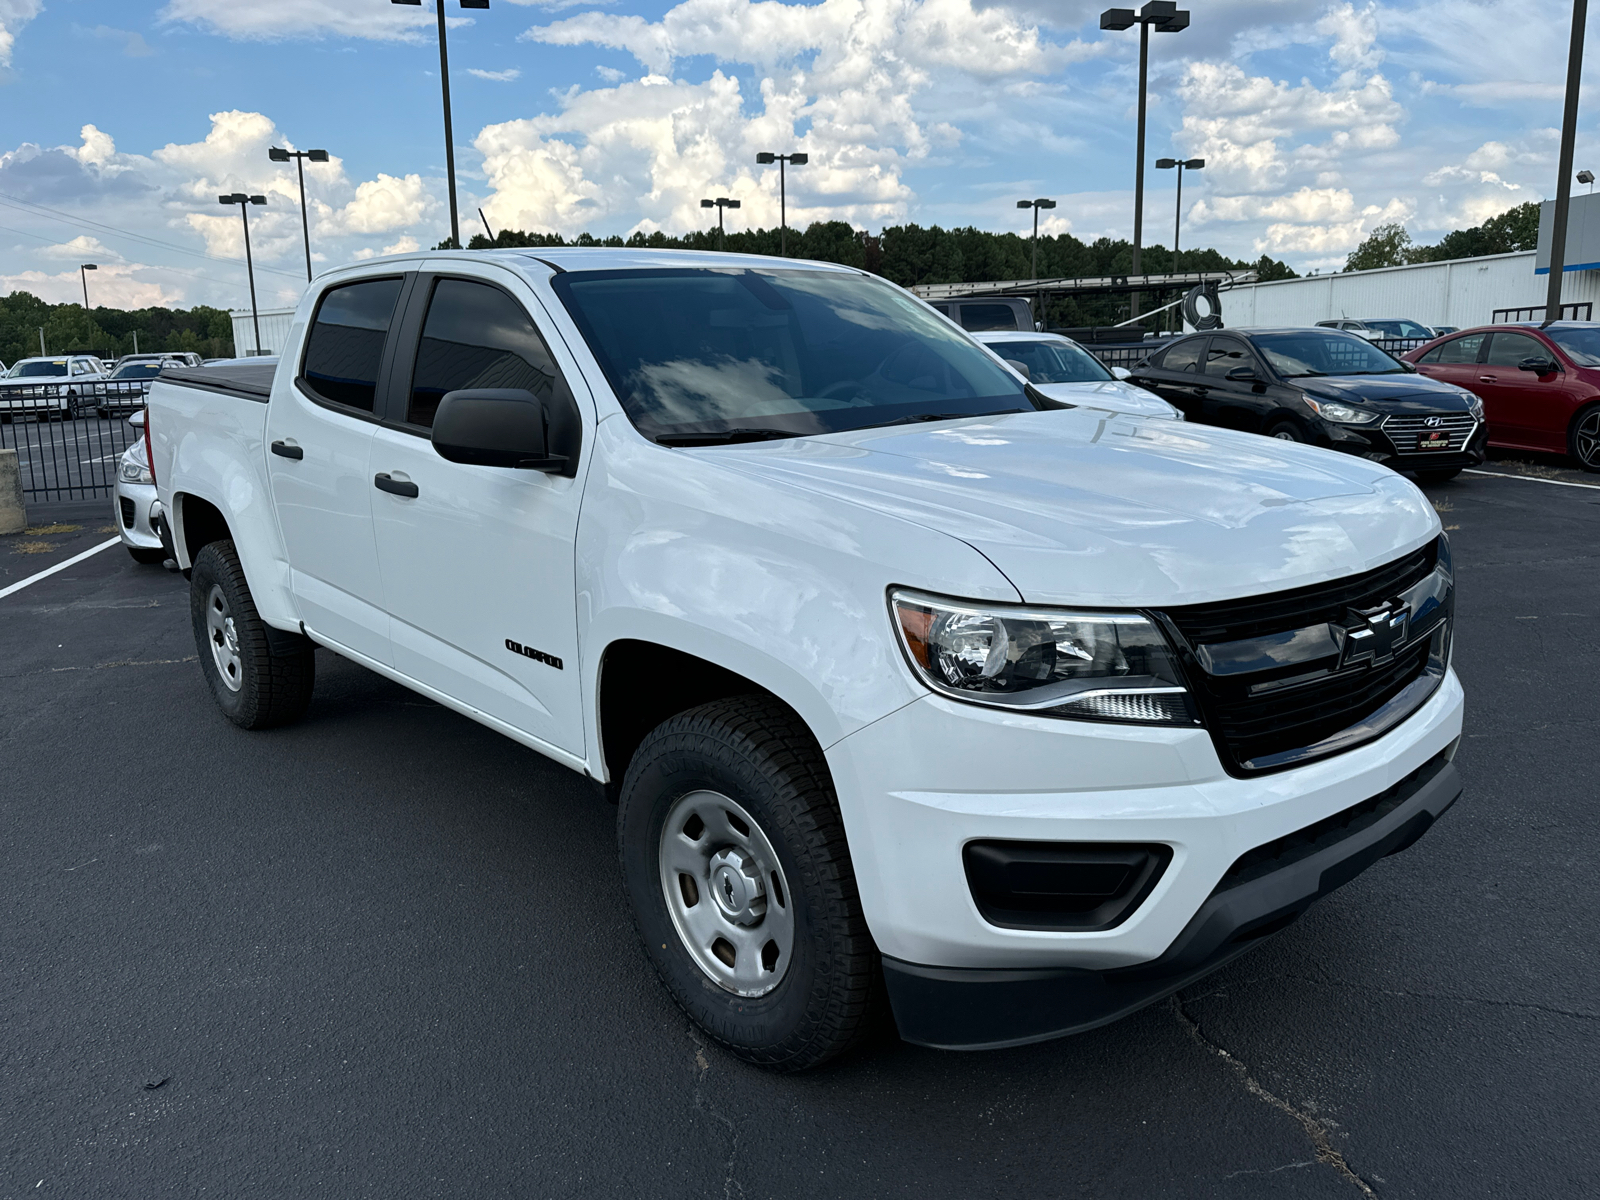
pixel 1323 387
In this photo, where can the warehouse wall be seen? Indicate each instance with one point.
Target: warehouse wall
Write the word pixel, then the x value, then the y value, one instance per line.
pixel 275 325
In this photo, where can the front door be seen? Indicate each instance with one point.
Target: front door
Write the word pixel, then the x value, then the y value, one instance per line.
pixel 478 564
pixel 1526 409
pixel 1231 403
pixel 319 437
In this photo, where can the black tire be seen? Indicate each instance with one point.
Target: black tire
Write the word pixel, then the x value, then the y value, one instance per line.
pixel 268 688
pixel 1583 438
pixel 757 752
pixel 1287 431
pixel 1432 477
pixel 149 557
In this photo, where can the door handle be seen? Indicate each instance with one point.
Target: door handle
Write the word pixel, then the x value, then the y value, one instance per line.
pixel 1202 392
pixel 1487 378
pixel 395 487
pixel 284 450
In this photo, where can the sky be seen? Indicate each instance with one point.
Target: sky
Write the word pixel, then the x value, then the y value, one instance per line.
pixel 121 121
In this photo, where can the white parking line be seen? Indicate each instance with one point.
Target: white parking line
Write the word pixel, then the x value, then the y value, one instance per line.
pixel 1534 479
pixel 61 566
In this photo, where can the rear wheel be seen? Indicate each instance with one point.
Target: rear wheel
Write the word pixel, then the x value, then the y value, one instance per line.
pixel 1583 439
pixel 734 858
pixel 260 678
pixel 1286 431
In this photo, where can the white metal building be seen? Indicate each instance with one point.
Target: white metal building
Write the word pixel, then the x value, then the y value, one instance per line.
pixel 1461 292
pixel 275 323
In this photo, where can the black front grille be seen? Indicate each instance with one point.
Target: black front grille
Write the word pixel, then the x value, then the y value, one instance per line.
pixel 127 510
pixel 1260 720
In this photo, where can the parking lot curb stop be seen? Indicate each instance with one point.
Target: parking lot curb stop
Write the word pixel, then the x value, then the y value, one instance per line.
pixel 13 515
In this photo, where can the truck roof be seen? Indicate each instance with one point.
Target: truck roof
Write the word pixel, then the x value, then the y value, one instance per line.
pixel 612 258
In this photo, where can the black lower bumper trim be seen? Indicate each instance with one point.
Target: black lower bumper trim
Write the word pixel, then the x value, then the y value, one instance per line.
pixel 959 1008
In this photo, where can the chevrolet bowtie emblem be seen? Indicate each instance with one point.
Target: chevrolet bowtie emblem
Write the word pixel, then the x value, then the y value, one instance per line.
pixel 1382 631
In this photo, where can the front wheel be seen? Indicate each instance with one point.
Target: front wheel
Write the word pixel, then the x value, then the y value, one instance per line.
pixel 259 678
pixel 734 858
pixel 1286 431
pixel 1583 439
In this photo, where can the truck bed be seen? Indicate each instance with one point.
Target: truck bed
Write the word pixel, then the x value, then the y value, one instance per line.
pixel 248 380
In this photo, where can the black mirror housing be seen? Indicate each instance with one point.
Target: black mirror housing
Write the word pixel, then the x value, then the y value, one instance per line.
pixel 1241 374
pixel 495 427
pixel 1539 366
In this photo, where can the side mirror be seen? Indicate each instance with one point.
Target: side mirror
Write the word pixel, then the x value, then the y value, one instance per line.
pixel 1241 374
pixel 495 427
pixel 1121 373
pixel 137 420
pixel 1021 368
pixel 1539 366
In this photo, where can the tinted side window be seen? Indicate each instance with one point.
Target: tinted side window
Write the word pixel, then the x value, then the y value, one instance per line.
pixel 1461 349
pixel 476 336
pixel 1508 349
pixel 1185 356
pixel 979 317
pixel 1432 356
pixel 345 346
pixel 1226 354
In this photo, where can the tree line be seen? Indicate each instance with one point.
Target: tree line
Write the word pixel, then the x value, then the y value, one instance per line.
pixel 1391 245
pixel 26 320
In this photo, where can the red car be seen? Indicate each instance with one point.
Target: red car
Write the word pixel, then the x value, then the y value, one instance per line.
pixel 1540 385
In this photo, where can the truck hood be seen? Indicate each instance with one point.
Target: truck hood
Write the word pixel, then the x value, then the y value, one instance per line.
pixel 1111 395
pixel 1090 508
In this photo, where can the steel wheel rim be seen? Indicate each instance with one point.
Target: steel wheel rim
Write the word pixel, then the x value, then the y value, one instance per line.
pixel 726 893
pixel 223 635
pixel 1283 435
pixel 1588 439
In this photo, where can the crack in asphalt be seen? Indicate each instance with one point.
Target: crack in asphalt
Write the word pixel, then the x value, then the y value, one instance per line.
pixel 1576 1014
pixel 1315 1130
pixel 702 1069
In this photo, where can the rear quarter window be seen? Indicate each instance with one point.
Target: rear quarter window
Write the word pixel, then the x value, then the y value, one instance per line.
pixel 345 346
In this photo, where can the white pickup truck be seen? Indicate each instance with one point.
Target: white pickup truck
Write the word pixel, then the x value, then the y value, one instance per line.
pixel 911 684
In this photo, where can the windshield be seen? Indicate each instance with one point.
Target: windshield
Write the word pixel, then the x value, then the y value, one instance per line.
pixel 138 371
pixel 1581 345
pixel 37 370
pixel 777 353
pixel 1057 361
pixel 1306 352
pixel 1399 329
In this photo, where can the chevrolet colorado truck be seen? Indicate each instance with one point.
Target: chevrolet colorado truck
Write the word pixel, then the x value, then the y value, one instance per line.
pixel 911 684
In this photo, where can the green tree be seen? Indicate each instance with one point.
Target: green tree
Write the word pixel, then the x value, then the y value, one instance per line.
pixel 1386 246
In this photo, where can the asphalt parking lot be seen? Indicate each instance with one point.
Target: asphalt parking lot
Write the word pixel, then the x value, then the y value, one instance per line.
pixel 385 953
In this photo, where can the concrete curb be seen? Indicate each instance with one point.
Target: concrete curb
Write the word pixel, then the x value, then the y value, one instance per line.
pixel 13 514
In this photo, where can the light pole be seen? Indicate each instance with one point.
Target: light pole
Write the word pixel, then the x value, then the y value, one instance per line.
pixel 1167 17
pixel 1166 164
pixel 449 136
pixel 88 321
pixel 300 156
pixel 244 202
pixel 1036 205
pixel 793 160
pixel 721 204
pixel 1569 130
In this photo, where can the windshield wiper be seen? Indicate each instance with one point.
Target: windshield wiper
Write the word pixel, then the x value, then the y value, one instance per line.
pixel 1388 371
pixel 917 418
pixel 724 437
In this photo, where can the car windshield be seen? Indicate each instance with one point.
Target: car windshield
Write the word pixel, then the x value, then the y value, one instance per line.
pixel 37 370
pixel 1399 329
pixel 144 370
pixel 1305 352
pixel 1582 346
pixel 1055 361
pixel 775 353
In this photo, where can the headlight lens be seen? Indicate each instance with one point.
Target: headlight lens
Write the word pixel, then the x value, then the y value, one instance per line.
pixel 1344 414
pixel 1089 666
pixel 134 472
pixel 1475 405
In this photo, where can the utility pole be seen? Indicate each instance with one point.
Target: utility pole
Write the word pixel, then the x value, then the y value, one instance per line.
pixel 1569 130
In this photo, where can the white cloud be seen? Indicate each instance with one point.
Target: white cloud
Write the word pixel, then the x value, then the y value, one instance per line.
pixel 82 248
pixel 14 14
pixel 115 286
pixel 276 19
pixel 506 76
pixel 1355 35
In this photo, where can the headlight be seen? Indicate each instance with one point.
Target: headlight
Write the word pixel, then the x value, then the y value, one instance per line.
pixel 1475 405
pixel 1343 414
pixel 133 472
pixel 1092 666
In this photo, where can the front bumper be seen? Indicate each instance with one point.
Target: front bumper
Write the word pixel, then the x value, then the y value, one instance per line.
pixel 131 506
pixel 1377 444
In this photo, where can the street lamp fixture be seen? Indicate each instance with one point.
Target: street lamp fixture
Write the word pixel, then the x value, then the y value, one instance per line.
pixel 1587 177
pixel 444 82
pixel 794 160
pixel 1166 17
pixel 244 202
pixel 721 204
pixel 300 156
pixel 1166 164
pixel 1036 205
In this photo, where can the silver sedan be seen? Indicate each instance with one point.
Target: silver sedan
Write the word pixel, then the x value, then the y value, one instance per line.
pixel 135 503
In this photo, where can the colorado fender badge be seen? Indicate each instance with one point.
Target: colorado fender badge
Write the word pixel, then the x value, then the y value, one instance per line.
pixel 549 660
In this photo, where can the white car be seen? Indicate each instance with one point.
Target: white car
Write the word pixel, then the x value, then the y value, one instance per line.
pixel 134 503
pixel 1064 370
pixel 907 680
pixel 1380 328
pixel 62 387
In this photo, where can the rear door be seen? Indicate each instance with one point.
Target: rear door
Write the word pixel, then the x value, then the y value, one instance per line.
pixel 319 439
pixel 478 565
pixel 1455 361
pixel 1523 408
pixel 1176 376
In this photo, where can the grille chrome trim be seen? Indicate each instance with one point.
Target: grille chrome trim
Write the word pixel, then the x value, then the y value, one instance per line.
pixel 1404 430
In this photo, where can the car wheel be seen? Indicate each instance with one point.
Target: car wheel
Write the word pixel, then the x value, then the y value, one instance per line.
pixel 1432 477
pixel 1583 439
pixel 256 684
pixel 734 858
pixel 141 555
pixel 1286 431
